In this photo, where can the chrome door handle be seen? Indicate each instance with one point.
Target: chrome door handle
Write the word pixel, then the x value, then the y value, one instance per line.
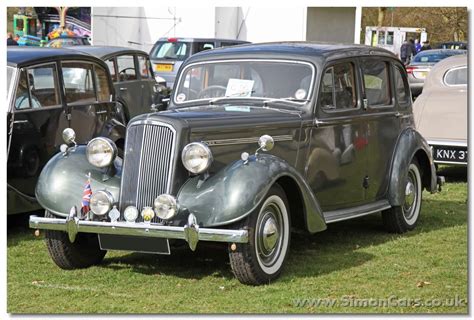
pixel 123 89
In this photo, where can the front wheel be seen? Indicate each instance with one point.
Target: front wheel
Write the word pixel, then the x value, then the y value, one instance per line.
pixel 82 253
pixel 261 259
pixel 404 218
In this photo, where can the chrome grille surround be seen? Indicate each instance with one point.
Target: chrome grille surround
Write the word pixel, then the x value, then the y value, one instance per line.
pixel 150 151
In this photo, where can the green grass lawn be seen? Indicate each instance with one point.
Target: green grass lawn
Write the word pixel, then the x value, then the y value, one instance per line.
pixel 352 262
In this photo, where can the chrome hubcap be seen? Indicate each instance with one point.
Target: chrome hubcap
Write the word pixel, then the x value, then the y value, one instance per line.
pixel 270 234
pixel 409 194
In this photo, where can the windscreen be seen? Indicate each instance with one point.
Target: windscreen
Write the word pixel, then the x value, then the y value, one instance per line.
pixel 246 79
pixel 170 50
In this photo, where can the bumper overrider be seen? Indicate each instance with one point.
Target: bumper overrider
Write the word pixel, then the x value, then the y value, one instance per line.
pixel 191 232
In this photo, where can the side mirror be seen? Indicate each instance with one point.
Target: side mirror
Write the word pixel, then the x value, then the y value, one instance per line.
pixel 266 143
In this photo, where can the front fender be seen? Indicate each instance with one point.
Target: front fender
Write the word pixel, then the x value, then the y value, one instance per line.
pixel 61 183
pixel 237 190
pixel 410 144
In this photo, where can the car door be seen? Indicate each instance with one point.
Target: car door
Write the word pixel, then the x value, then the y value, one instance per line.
pixel 337 159
pixel 148 89
pixel 37 120
pixel 88 95
pixel 383 119
pixel 129 86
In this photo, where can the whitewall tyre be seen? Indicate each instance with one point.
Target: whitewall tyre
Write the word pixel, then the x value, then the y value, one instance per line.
pixel 261 259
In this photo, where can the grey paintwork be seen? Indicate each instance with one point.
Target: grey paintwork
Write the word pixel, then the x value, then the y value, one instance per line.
pixel 237 190
pixel 70 174
pixel 309 139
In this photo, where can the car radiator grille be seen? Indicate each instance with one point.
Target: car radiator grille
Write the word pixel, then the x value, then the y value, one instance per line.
pixel 148 161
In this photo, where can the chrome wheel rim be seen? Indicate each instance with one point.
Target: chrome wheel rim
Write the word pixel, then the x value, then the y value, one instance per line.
pixel 269 233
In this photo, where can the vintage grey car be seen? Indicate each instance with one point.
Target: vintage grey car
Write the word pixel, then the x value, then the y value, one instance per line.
pixel 441 111
pixel 258 140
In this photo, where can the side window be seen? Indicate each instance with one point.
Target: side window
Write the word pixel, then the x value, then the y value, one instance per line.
pixel 456 77
pixel 201 46
pixel 228 44
pixel 144 66
pixel 78 82
pixel 102 84
pixel 111 65
pixel 338 91
pixel 42 84
pixel 401 86
pixel 376 82
pixel 126 68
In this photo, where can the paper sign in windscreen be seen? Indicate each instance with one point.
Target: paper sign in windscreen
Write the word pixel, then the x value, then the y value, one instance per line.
pixel 239 88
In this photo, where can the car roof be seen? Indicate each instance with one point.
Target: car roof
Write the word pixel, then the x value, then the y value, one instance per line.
pixel 102 52
pixel 191 39
pixel 304 49
pixel 438 51
pixel 435 77
pixel 19 55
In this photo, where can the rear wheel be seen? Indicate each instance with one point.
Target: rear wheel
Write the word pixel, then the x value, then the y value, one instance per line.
pixel 82 253
pixel 261 259
pixel 404 218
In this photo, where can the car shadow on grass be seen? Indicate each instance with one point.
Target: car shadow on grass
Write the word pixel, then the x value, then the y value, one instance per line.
pixel 337 248
pixel 453 173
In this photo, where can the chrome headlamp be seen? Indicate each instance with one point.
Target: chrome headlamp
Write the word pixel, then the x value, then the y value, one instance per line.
pixel 166 206
pixel 196 157
pixel 101 152
pixel 101 202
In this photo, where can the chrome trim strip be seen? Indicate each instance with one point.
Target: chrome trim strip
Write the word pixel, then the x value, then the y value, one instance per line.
pixel 138 229
pixel 450 162
pixel 447 143
pixel 224 142
pixel 349 216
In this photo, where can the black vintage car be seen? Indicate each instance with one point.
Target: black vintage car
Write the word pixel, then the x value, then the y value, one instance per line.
pixel 50 90
pixel 136 90
pixel 258 140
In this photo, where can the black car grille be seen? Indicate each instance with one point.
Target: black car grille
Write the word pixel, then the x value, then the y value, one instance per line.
pixel 148 161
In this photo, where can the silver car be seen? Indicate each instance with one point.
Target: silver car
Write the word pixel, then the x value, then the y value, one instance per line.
pixel 168 54
pixel 441 111
pixel 421 65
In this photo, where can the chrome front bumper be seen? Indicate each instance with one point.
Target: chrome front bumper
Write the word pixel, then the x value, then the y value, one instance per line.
pixel 191 232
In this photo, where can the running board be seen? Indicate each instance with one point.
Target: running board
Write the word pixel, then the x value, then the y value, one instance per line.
pixel 350 213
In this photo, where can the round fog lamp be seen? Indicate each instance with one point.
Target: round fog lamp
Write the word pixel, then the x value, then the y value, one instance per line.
pixel 166 206
pixel 130 214
pixel 101 202
pixel 148 214
pixel 196 157
pixel 101 152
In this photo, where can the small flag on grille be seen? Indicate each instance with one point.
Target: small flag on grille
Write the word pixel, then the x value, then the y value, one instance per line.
pixel 86 197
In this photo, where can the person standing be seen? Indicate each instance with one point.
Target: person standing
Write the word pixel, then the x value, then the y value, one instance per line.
pixel 417 45
pixel 406 52
pixel 10 40
pixel 426 46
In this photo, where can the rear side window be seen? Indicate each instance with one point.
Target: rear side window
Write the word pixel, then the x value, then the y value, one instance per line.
pixel 456 77
pixel 78 82
pixel 376 82
pixel 338 90
pixel 144 67
pixel 38 87
pixel 401 86
pixel 126 68
pixel 201 46
pixel 170 50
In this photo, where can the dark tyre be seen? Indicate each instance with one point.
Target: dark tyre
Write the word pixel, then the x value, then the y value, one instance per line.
pixel 261 259
pixel 404 218
pixel 82 253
